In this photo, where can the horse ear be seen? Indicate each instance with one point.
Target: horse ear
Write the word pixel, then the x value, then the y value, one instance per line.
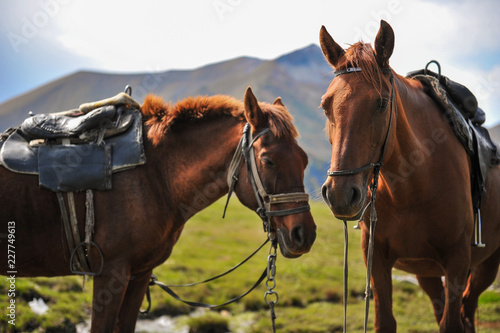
pixel 384 44
pixel 331 50
pixel 278 101
pixel 253 112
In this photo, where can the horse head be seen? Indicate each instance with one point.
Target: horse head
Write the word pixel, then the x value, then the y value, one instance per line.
pixel 275 187
pixel 359 110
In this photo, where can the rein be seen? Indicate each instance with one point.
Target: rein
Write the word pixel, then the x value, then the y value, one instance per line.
pixel 373 187
pixel 167 288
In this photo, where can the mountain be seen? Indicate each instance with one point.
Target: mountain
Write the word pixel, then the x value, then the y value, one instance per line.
pixel 300 78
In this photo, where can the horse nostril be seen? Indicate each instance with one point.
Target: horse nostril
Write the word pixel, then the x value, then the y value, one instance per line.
pixel 355 196
pixel 297 234
pixel 324 194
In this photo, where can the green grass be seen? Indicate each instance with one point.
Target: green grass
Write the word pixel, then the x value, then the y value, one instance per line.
pixel 310 287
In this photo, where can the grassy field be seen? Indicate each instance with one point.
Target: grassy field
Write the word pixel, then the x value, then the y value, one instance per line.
pixel 310 287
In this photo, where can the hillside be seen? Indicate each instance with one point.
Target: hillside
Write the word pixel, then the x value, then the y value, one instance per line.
pixel 299 77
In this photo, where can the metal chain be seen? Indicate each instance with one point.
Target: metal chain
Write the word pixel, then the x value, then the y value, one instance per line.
pixel 271 297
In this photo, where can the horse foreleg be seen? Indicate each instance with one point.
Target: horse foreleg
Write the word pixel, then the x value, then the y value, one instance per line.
pixel 433 287
pixel 108 296
pixel 133 300
pixel 456 272
pixel 382 287
pixel 382 298
pixel 481 277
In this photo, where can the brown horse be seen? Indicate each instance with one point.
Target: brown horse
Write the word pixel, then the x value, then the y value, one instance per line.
pixel 423 201
pixel 188 149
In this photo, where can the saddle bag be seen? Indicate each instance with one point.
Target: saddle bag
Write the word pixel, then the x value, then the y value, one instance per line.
pixel 70 168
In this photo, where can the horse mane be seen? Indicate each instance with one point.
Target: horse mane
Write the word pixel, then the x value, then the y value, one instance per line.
pixel 362 55
pixel 162 116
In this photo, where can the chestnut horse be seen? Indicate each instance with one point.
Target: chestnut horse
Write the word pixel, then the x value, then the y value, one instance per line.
pixel 188 149
pixel 424 206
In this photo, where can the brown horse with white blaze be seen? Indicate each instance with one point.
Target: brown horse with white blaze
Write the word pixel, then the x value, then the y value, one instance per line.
pixel 188 148
pixel 423 201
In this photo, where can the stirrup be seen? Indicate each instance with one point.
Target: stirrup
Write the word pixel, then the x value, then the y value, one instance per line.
pixel 89 245
pixel 477 230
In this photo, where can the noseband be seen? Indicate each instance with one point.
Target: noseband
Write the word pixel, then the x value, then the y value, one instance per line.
pixel 375 166
pixel 245 150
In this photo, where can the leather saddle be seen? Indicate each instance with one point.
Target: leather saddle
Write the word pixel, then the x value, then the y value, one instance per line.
pixel 79 149
pixel 461 96
pixel 461 109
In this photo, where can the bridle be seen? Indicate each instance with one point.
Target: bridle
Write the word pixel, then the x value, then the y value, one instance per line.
pixel 373 187
pixel 245 150
pixel 375 166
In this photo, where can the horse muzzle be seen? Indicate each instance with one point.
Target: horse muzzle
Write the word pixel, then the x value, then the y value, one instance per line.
pixel 345 198
pixel 297 240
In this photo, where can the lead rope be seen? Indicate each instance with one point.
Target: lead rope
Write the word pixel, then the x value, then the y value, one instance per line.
pixel 346 272
pixel 371 242
pixel 271 284
pixel 369 259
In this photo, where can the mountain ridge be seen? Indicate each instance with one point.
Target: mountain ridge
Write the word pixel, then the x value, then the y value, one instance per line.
pixel 298 77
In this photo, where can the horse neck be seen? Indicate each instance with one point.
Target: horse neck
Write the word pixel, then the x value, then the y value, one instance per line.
pixel 416 142
pixel 193 163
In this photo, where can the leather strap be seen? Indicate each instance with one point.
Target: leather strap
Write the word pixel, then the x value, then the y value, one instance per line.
pixel 82 258
pixel 352 171
pixel 72 234
pixel 225 273
pixel 347 71
pixel 291 211
pixel 233 172
pixel 65 221
pixel 288 197
pixel 167 288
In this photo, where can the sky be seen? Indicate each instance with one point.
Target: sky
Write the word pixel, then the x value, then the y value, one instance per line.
pixel 42 40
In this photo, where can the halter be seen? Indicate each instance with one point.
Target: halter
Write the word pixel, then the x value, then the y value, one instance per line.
pixel 373 214
pixel 245 150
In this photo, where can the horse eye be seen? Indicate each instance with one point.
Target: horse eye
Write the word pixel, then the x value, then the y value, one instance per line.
pixel 269 163
pixel 382 104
